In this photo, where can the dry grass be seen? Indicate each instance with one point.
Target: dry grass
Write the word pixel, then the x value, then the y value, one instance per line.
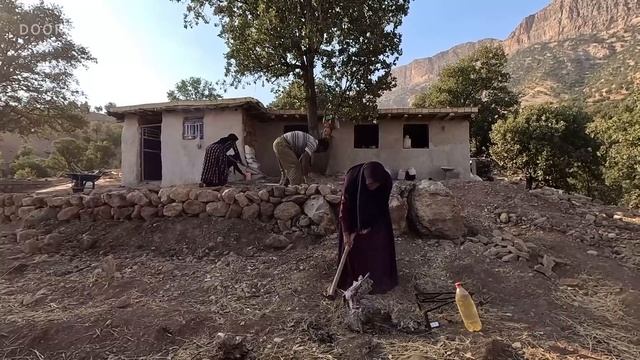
pixel 611 343
pixel 595 295
pixel 422 350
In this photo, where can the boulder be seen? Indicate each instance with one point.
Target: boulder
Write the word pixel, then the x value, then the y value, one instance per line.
pixel 333 199
pixel 263 195
pixel 38 201
pixel 9 210
pixel 275 200
pixel 41 215
pixel 207 196
pixel 52 242
pixel 31 246
pixel 116 199
pixel 291 190
pixel 324 189
pixel 28 201
pixel 278 191
pixel 435 211
pixel 235 211
pixel 69 213
pixel 312 189
pixel 319 210
pixel 148 212
pixel 138 198
pixel 284 225
pixel 180 194
pixel 193 194
pixel 164 195
pixel 172 210
pixel 193 207
pixel 276 241
pixel 17 199
pixel 154 198
pixel 298 199
pixel 75 200
pixel 136 212
pixel 287 211
pixel 218 209
pixel 266 211
pixel 304 221
pixel 250 212
pixel 504 218
pixel 122 213
pixel 253 196
pixel 229 195
pixel 58 201
pixel 93 201
pixel 242 199
pixel 398 208
pixel 103 212
pixel 24 211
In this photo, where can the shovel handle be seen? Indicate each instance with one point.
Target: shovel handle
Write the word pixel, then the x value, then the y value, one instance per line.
pixel 332 289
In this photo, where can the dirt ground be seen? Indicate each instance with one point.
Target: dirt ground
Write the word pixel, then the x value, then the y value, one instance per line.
pixel 166 289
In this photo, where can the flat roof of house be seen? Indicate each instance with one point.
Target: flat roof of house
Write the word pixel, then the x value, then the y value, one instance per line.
pixel 256 106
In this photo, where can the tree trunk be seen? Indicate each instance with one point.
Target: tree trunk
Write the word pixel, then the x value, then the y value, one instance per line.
pixel 311 97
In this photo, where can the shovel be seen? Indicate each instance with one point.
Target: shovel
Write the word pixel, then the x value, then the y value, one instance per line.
pixel 331 291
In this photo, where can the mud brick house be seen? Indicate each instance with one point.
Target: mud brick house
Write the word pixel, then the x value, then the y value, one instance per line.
pixel 165 142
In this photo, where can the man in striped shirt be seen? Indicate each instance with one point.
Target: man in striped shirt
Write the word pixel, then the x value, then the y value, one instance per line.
pixel 294 151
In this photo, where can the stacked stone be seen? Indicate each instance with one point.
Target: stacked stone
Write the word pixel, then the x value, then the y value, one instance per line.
pixel 504 246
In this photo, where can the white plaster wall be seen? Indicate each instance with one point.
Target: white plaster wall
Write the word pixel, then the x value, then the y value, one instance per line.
pixel 448 146
pixel 130 143
pixel 182 159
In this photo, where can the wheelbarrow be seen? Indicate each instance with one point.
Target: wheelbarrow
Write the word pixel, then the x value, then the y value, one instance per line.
pixel 80 180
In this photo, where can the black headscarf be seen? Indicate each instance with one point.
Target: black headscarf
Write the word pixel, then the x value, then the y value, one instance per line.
pixel 367 207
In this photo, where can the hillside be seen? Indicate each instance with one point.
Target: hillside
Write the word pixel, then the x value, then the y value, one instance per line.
pixel 585 48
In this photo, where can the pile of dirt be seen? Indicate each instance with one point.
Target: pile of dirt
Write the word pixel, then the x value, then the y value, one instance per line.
pixel 200 288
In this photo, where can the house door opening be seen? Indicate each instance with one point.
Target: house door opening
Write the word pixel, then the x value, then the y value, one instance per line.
pixel 151 153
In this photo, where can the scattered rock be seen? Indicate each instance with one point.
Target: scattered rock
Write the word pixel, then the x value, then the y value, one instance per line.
pixel 88 241
pixel 590 218
pixel 229 195
pixel 180 194
pixel 251 212
pixel 287 211
pixel 229 347
pixel 138 198
pixel 217 209
pixel 304 221
pixel 509 257
pixel 570 282
pixel 435 211
pixel 207 196
pixel 172 210
pixel 123 302
pixel 545 271
pixel 398 208
pixel 263 195
pixel 68 213
pixel 27 234
pixel 31 246
pixel 276 241
pixel 235 211
pixel 324 189
pixel 540 221
pixel 504 218
pixel 592 252
pixel 193 207
pixel 497 350
pixel 284 225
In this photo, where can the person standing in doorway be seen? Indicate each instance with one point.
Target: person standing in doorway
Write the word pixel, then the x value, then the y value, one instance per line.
pixel 294 151
pixel 215 169
pixel 365 228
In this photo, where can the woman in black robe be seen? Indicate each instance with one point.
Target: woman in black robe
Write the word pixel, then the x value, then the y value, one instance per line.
pixel 215 169
pixel 365 226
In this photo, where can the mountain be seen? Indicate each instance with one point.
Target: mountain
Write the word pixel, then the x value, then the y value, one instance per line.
pixel 571 48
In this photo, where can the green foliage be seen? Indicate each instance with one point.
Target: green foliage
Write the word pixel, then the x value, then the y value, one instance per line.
pixel 350 44
pixel 292 97
pixel 27 165
pixel 37 85
pixel 68 154
pixel 619 133
pixel 550 145
pixel 193 88
pixel 481 80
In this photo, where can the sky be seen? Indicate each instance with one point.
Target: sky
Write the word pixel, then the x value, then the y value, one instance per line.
pixel 142 48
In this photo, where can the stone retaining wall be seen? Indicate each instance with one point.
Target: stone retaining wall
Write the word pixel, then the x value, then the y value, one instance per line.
pixel 312 208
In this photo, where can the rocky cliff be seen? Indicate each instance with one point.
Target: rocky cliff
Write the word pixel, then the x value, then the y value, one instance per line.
pixel 568 48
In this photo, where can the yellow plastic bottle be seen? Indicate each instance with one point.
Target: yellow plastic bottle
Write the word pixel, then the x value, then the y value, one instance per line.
pixel 467 309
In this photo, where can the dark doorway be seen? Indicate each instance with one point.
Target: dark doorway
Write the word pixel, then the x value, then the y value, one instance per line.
pixel 151 153
pixel 418 133
pixel 296 127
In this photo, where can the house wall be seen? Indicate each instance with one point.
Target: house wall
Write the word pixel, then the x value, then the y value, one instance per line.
pixel 130 145
pixel 267 131
pixel 448 146
pixel 182 159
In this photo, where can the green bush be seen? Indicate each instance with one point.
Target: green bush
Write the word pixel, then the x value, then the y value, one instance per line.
pixel 27 165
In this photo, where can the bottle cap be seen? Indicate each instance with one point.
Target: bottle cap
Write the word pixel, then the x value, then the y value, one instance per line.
pixel 459 284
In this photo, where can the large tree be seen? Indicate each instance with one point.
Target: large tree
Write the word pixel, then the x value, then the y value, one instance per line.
pixel 193 88
pixel 292 96
pixel 619 134
pixel 351 44
pixel 481 80
pixel 37 61
pixel 549 145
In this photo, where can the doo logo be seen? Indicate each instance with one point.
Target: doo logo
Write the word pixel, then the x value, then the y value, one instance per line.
pixel 37 29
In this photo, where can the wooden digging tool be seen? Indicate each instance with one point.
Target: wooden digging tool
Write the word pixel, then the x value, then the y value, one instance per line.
pixel 331 291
